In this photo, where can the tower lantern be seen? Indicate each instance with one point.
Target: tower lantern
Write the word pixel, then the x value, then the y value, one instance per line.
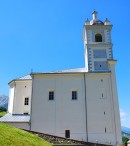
pixel 94 15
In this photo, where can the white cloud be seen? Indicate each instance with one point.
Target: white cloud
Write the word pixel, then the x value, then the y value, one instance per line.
pixel 123 116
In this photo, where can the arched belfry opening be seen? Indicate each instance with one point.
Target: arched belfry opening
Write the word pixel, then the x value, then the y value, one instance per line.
pixel 98 37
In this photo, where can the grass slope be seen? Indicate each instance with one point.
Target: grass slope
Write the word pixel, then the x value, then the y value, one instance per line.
pixel 10 136
pixel 2 114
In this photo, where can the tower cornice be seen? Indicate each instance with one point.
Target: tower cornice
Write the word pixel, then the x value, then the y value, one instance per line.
pixel 111 61
pixel 98 26
pixel 94 44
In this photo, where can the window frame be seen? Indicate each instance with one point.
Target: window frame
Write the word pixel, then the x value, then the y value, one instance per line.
pixel 74 95
pixel 51 95
pixel 26 101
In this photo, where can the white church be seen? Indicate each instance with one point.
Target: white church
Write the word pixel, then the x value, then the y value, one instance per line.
pixel 80 103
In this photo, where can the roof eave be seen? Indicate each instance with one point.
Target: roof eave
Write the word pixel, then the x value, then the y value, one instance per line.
pixel 35 73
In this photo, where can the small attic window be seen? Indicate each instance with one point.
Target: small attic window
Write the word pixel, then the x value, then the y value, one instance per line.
pixel 98 37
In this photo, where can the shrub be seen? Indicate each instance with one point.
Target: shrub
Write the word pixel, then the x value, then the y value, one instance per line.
pixel 2 109
pixel 125 139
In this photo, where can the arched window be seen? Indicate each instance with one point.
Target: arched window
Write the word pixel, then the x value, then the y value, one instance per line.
pixel 98 37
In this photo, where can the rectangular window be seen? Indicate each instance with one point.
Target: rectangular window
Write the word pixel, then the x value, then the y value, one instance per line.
pixel 67 133
pixel 51 95
pixel 74 95
pixel 26 101
pixel 105 130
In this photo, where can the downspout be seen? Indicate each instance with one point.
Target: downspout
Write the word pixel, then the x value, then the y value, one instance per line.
pixel 85 107
pixel 31 103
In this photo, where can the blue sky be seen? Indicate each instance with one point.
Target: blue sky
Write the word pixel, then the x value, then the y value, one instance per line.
pixel 47 36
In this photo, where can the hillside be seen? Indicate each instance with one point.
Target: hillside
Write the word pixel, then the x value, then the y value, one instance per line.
pixel 125 131
pixel 10 136
pixel 4 101
pixel 2 114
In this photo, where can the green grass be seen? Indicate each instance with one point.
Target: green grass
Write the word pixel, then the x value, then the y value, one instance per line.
pixel 2 114
pixel 10 136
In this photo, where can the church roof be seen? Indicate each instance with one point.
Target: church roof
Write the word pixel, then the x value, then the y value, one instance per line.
pixel 15 118
pixel 27 77
pixel 72 70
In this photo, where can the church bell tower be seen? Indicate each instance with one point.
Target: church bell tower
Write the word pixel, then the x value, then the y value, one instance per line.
pixel 97 44
pixel 101 90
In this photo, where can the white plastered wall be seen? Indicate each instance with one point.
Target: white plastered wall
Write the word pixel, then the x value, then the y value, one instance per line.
pixel 11 98
pixel 100 112
pixel 22 90
pixel 54 117
pixel 20 125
